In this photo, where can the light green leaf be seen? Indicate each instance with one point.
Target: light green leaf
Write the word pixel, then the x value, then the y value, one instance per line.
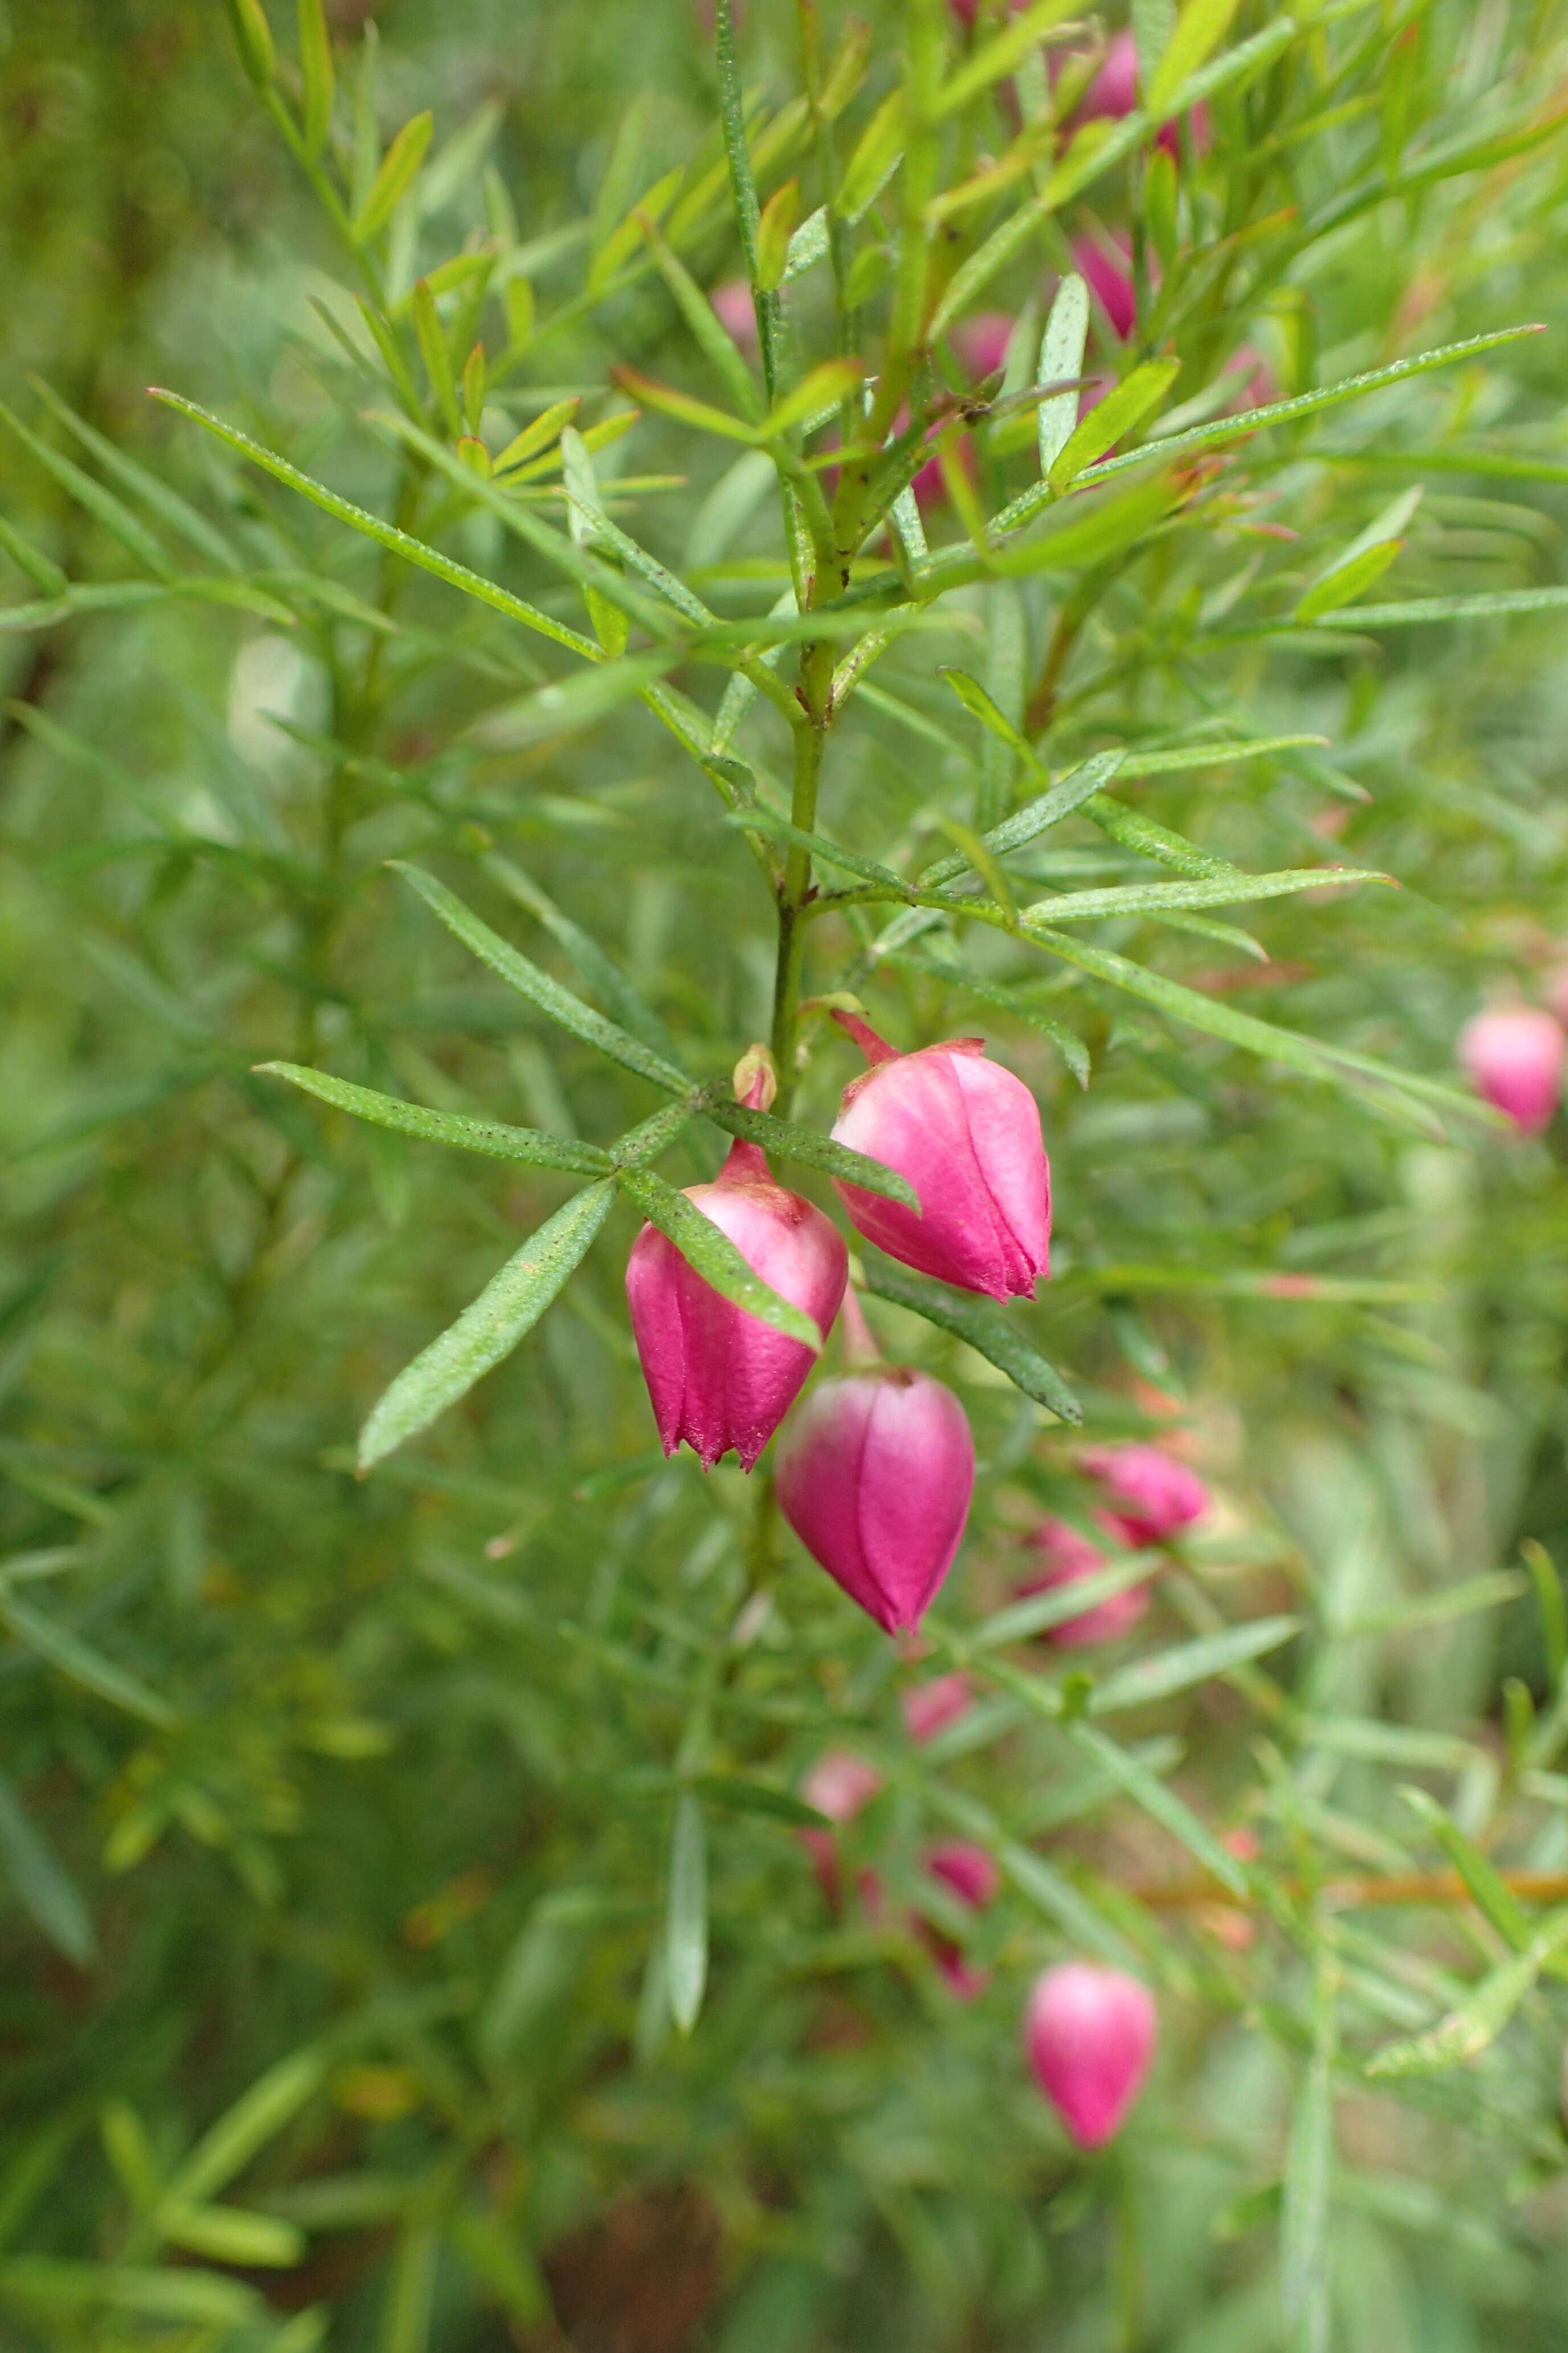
pixel 1345 580
pixel 227 2234
pixel 65 1650
pixel 1469 2030
pixel 787 1140
pixel 824 388
pixel 1493 1897
pixel 999 56
pixel 316 73
pixel 399 170
pixel 1165 1671
pixel 686 1923
pixel 175 513
pixel 1089 532
pixel 259 2116
pixel 1199 30
pixel 715 1257
pixel 40 1882
pixel 1309 2166
pixel 1110 418
pixel 508 1308
pixel 101 505
pixel 831 853
pixel 569 705
pixel 491 1136
pixel 548 994
pixel 1014 1002
pixel 1021 1621
pixel 1061 359
pixel 983 1325
pixel 1162 1804
pixel 52 2284
pixel 1141 898
pixel 877 154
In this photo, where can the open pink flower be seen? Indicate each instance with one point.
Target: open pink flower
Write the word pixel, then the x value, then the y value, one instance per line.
pixel 1066 1557
pixel 1090 2036
pixel 1514 1056
pixel 1149 1495
pixel 718 1377
pixel 966 1134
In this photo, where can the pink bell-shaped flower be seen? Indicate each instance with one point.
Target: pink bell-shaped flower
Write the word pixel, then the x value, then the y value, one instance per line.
pixel 1065 1556
pixel 932 1706
pixel 1090 2036
pixel 966 1134
pixel 1514 1057
pixel 720 1377
pixel 873 1474
pixel 1149 1494
pixel 967 1871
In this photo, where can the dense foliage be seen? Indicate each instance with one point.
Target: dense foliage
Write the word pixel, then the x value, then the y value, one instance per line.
pixel 410 1938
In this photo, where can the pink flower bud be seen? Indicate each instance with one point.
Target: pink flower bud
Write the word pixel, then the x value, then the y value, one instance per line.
pixel 1514 1057
pixel 736 313
pixel 1150 1494
pixel 718 1377
pixel 982 341
pixel 873 1474
pixel 1103 262
pixel 968 1873
pixel 932 1706
pixel 1066 1557
pixel 1090 2035
pixel 839 1784
pixel 966 1134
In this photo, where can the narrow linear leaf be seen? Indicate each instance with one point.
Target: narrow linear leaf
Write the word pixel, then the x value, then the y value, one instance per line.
pixel 983 1325
pixel 1070 1046
pixel 1469 2030
pixel 1345 580
pixel 831 853
pixel 101 505
pixel 259 2114
pixel 812 1149
pixel 1178 1669
pixel 1080 787
pixel 548 994
pixel 60 1648
pixel 1137 898
pixel 1061 359
pixel 316 73
pixel 174 512
pixel 1309 2166
pixel 1000 55
pixel 715 1257
pixel 1117 414
pixel 399 170
pixel 491 1136
pixel 1022 1620
pixel 508 1308
pixel 227 2234
pixel 1161 1805
pixel 1199 30
pixel 1495 1899
pixel 40 1882
pixel 686 1924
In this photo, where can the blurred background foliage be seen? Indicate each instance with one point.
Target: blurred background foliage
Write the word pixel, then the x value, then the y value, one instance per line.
pixel 350 1801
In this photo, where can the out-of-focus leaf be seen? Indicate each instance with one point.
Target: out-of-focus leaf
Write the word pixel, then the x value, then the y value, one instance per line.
pixel 227 2148
pixel 1166 1671
pixel 62 1648
pixel 41 1884
pixel 399 170
pixel 228 2234
pixel 1471 2029
pixel 686 1922
pixel 1061 359
pixel 1199 29
pixel 1304 2247
pixel 316 73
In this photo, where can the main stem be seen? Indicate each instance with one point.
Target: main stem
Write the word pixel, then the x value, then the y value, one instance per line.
pixel 796 888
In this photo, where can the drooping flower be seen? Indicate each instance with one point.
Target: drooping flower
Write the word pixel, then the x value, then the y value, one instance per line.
pixel 932 1706
pixel 873 1474
pixel 1148 1492
pixel 966 1134
pixel 1514 1056
pixel 967 1871
pixel 1065 1556
pixel 1090 2035
pixel 718 1377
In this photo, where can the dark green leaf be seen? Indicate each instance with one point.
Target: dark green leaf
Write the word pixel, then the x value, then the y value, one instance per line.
pixel 982 1325
pixel 491 1136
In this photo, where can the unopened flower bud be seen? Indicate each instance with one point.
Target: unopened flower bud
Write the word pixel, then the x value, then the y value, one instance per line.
pixel 873 1474
pixel 966 1134
pixel 1089 2035
pixel 967 1871
pixel 932 1706
pixel 1514 1057
pixel 1065 1556
pixel 718 1377
pixel 1149 1495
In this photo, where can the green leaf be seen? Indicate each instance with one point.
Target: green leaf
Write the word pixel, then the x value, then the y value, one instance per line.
pixel 435 352
pixel 824 388
pixel 52 2284
pixel 716 344
pixel 767 822
pixel 1080 787
pixel 508 1308
pixel 808 1145
pixel 686 1922
pixel 1111 418
pixel 983 1325
pixel 1165 1671
pixel 175 513
pixel 1061 359
pixel 1494 1899
pixel 1161 1805
pixel 548 994
pixel 1090 531
pixel 1012 1001
pixel 601 973
pixel 399 170
pixel 316 73
pixel 413 551
pixel 714 1256
pixel 491 1136
pixel 570 705
pixel 259 2116
pixel 1471 2029
pixel 41 1884
pixel 227 2234
pixel 1346 580
pixel 999 56
pixel 253 37
pixel 877 154
pixel 42 570
pixel 1308 2166
pixel 1199 30
pixel 774 231
pixel 103 506
pixel 65 1650
pixel 1139 897
pixel 1021 1621
pixel 746 1795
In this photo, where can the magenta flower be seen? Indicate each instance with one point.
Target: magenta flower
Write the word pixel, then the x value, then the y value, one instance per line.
pixel 1514 1057
pixel 1103 261
pixel 966 1134
pixel 967 1871
pixel 718 1377
pixel 1113 94
pixel 1090 2036
pixel 873 1474
pixel 932 1706
pixel 736 313
pixel 1066 1557
pixel 982 341
pixel 1150 1494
